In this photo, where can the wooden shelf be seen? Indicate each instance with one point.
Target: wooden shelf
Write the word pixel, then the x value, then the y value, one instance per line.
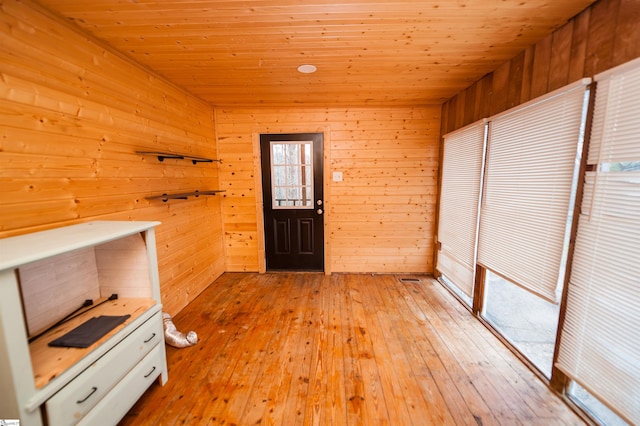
pixel 49 362
pixel 162 155
pixel 183 195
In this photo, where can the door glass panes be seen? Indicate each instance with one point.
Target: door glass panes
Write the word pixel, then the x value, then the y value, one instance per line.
pixel 292 175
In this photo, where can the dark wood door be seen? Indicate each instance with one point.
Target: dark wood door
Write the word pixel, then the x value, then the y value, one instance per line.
pixel 292 188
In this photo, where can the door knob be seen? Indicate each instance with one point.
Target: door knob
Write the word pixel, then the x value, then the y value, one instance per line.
pixel 319 211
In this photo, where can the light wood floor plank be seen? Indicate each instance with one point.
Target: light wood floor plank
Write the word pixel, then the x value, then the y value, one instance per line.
pixel 462 399
pixel 430 399
pixel 354 383
pixel 301 354
pixel 462 366
pixel 220 358
pixel 167 401
pixel 346 349
pixel 270 395
pixel 475 363
pixel 375 406
pixel 526 388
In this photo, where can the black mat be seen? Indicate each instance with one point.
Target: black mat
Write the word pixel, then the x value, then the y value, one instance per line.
pixel 89 332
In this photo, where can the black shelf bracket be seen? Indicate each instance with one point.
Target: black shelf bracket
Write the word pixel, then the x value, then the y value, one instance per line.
pixel 162 155
pixel 183 195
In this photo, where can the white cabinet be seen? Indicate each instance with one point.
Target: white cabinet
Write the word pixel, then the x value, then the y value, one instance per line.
pixel 44 276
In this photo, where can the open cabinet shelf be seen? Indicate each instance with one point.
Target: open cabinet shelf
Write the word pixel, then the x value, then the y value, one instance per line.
pixel 44 276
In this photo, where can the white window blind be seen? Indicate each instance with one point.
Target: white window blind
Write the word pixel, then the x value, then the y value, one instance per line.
pixel 531 162
pixel 459 200
pixel 600 340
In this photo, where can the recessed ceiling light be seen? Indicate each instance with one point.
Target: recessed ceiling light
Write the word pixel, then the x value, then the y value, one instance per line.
pixel 307 69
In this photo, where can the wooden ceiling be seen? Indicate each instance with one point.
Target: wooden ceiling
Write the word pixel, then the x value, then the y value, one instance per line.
pixel 367 52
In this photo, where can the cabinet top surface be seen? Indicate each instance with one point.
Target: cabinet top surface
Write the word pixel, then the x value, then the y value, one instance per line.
pixel 23 249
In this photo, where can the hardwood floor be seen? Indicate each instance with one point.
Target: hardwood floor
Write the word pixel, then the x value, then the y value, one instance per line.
pixel 311 349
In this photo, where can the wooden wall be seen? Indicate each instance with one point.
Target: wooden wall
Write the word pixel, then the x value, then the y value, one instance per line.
pixel 379 218
pixel 72 115
pixel 602 36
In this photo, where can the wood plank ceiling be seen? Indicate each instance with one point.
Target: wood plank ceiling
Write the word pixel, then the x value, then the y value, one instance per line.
pixel 367 52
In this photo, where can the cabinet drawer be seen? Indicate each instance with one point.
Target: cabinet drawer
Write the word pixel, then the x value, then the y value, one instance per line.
pixel 73 401
pixel 122 397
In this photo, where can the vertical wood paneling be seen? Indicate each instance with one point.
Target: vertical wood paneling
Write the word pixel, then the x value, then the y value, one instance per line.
pixel 627 33
pixel 600 37
pixel 484 107
pixel 380 217
pixel 540 70
pixel 602 33
pixel 560 55
pixel 444 120
pixel 479 98
pixel 500 89
pixel 452 113
pixel 72 115
pixel 527 71
pixel 579 45
pixel 516 74
pixel 469 104
pixel 460 109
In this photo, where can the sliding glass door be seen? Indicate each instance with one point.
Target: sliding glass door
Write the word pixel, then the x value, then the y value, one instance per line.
pixel 533 158
pixel 600 341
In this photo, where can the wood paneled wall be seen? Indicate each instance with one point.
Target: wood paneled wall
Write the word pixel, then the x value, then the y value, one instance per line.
pixel 378 219
pixel 602 36
pixel 72 115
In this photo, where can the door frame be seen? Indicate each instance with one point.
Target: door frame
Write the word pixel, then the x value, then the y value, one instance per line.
pixel 257 174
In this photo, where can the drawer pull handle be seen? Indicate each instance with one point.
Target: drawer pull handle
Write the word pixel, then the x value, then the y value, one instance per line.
pixel 150 338
pixel 150 372
pixel 93 390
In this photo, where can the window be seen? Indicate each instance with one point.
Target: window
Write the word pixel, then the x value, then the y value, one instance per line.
pixel 532 159
pixel 292 175
pixel 459 202
pixel 599 344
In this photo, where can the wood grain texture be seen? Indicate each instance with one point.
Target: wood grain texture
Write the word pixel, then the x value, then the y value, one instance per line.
pixel 602 34
pixel 627 32
pixel 289 349
pixel 48 362
pixel 541 65
pixel 72 115
pixel 500 90
pixel 368 52
pixel 560 57
pixel 600 37
pixel 379 218
pixel 516 77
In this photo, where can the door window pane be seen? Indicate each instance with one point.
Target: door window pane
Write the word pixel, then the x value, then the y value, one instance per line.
pixel 292 175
